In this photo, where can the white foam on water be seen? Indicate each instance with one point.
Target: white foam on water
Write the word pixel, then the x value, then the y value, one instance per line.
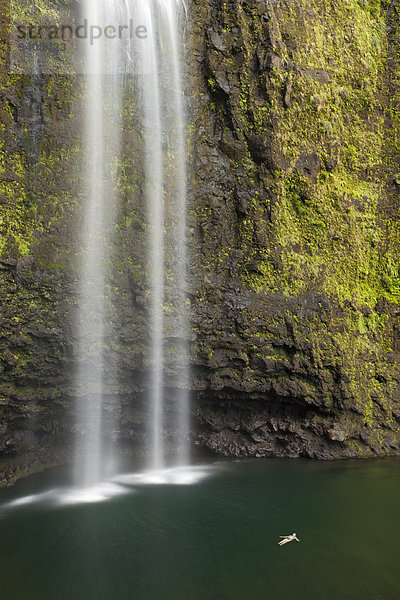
pixel 31 499
pixel 88 495
pixel 122 484
pixel 170 476
pixel 75 495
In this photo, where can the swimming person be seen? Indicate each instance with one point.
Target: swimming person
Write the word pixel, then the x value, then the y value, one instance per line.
pixel 288 538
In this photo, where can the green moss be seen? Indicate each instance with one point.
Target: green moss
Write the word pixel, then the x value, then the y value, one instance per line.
pixel 328 231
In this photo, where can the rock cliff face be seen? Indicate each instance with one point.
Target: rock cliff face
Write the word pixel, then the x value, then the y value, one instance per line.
pixel 296 204
pixel 294 150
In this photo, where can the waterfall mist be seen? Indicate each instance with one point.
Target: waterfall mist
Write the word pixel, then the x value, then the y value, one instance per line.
pixel 154 63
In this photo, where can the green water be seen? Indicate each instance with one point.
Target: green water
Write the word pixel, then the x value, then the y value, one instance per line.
pixel 214 540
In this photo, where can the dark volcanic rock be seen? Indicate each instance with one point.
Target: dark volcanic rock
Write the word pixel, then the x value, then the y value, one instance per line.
pixel 309 165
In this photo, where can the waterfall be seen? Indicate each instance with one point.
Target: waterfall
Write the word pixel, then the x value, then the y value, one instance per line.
pixel 153 57
pixel 91 316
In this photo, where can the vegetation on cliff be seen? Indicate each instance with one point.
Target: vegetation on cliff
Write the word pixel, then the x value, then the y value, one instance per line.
pixel 304 98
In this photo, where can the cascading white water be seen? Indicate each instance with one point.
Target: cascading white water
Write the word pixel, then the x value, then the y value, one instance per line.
pixel 155 62
pixel 164 133
pixel 181 246
pixel 91 301
pixel 152 126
